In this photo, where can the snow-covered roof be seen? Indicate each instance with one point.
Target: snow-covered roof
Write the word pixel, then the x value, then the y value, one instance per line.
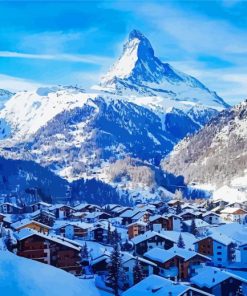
pixel 230 210
pixel 25 222
pixel 219 237
pixel 140 223
pixel 130 213
pixel 199 223
pixel 149 234
pixel 188 238
pixel 155 217
pixel 155 285
pixel 126 256
pixel 209 214
pixel 161 255
pixel 211 276
pixel 27 232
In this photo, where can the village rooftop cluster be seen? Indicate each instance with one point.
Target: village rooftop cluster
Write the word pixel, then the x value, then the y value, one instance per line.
pixel 176 247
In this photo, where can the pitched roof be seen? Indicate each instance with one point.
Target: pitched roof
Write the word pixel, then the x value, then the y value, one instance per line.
pixel 27 232
pixel 211 276
pixel 155 285
pixel 149 234
pixel 25 222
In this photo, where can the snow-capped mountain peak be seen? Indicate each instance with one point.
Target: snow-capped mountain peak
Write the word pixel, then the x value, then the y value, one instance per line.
pixel 138 72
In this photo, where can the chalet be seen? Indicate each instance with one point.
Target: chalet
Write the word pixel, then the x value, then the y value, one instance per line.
pixel 129 262
pixel 9 208
pixel 78 216
pixel 201 226
pixel 134 215
pixel 190 214
pixel 155 285
pixel 218 282
pixel 220 248
pixel 31 224
pixel 96 216
pixel 174 222
pixel 118 211
pixel 176 263
pixel 158 222
pixel 44 217
pixel 211 218
pixel 99 232
pixel 73 230
pixel 62 211
pixel 128 215
pixel 158 204
pixel 99 264
pixel 233 214
pixel 92 208
pixel 174 203
pixel 136 228
pixel 48 249
pixel 150 239
pixel 40 206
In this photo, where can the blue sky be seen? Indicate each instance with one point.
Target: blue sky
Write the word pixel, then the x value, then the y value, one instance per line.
pixel 75 42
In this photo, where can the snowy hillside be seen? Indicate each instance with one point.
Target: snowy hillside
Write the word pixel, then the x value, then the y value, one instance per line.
pixel 216 154
pixel 5 95
pixel 26 112
pixel 25 277
pixel 141 109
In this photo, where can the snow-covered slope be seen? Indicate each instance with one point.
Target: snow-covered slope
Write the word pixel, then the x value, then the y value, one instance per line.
pixel 141 109
pixel 139 72
pixel 217 154
pixel 5 95
pixel 26 112
pixel 25 277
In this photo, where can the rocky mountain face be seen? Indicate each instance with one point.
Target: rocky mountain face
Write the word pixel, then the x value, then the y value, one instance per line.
pixel 140 110
pixel 215 155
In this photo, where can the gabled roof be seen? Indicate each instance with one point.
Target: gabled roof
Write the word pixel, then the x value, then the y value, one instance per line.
pixel 25 222
pixel 218 237
pixel 209 277
pixel 199 223
pixel 149 234
pixel 27 232
pixel 162 256
pixel 155 285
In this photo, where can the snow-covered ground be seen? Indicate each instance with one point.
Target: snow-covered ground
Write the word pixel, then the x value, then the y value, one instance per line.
pixel 24 277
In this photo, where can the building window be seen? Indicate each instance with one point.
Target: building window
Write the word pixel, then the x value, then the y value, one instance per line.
pixel 219 253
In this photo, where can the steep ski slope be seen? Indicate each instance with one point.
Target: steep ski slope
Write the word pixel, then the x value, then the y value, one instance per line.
pixel 139 72
pixel 217 154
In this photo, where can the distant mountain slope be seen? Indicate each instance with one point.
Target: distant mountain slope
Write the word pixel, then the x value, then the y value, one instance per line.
pixel 140 109
pixel 215 155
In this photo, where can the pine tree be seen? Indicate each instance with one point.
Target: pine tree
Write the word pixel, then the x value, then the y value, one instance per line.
pixel 84 253
pixel 109 234
pixel 115 270
pixel 138 273
pixel 178 209
pixel 180 242
pixel 193 228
